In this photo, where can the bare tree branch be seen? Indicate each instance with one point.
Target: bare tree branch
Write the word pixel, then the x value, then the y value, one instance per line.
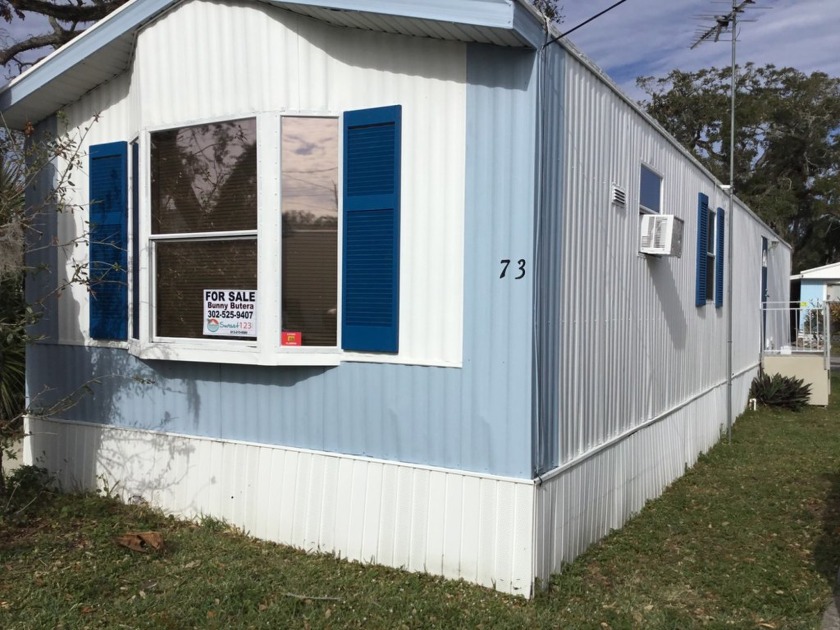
pixel 35 42
pixel 78 11
pixel 67 18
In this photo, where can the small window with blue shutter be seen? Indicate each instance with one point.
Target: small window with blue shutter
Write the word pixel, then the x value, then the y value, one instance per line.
pixel 371 213
pixel 108 238
pixel 710 256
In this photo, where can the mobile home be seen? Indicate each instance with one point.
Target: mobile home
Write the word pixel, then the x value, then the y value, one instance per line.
pixel 405 281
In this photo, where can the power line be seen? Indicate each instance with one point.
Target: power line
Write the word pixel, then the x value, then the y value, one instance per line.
pixel 585 22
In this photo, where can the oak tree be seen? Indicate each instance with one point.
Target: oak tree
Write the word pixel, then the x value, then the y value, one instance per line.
pixel 787 148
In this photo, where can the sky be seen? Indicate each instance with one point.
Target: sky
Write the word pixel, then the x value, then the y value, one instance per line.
pixel 653 37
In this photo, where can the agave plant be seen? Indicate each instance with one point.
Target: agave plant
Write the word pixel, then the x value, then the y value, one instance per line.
pixel 780 391
pixel 12 352
pixel 12 302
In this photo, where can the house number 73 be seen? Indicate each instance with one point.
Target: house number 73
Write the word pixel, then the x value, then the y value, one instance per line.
pixel 505 262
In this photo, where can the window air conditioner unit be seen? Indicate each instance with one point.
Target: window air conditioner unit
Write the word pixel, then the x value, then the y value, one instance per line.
pixel 662 235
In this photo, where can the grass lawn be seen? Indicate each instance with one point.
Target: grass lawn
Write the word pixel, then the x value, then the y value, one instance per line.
pixel 749 538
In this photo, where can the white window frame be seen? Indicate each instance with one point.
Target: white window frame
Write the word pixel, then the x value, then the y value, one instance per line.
pixel 133 237
pixel 266 349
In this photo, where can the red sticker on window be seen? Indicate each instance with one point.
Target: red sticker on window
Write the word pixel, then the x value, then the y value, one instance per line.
pixel 290 338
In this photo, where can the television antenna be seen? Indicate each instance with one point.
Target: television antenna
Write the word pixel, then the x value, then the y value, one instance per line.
pixel 722 24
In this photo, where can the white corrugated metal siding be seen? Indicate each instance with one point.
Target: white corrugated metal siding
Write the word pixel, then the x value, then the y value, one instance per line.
pixel 420 519
pixel 642 370
pixel 634 343
pixel 587 501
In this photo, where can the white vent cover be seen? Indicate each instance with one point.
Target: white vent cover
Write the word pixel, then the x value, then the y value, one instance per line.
pixel 618 196
pixel 661 235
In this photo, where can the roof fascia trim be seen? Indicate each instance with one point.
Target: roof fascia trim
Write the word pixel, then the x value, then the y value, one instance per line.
pixel 488 13
pixel 527 25
pixel 822 268
pixel 124 20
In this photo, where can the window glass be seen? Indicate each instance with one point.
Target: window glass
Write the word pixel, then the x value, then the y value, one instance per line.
pixel 203 182
pixel 650 191
pixel 184 269
pixel 204 178
pixel 309 166
pixel 710 256
pixel 710 233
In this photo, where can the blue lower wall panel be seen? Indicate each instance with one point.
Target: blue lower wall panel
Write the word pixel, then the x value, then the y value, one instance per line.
pixel 405 413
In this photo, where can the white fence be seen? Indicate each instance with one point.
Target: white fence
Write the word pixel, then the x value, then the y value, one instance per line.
pixel 798 327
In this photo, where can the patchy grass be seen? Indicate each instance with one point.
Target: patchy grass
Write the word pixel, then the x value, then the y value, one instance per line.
pixel 749 538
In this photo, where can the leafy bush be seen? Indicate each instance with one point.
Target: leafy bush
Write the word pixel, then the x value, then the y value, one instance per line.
pixel 25 487
pixel 780 391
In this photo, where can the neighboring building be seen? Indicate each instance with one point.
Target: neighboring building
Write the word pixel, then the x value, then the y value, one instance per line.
pixel 803 351
pixel 445 213
pixel 820 284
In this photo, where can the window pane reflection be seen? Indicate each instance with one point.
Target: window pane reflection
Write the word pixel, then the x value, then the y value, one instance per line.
pixel 204 178
pixel 309 158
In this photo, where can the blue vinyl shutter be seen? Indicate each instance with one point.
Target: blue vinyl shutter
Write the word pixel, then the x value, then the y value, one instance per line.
pixel 702 247
pixel 371 247
pixel 108 241
pixel 720 255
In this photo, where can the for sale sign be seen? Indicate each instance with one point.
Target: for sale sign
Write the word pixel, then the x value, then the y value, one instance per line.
pixel 230 312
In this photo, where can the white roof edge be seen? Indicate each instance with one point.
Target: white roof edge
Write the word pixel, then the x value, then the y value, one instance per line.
pixel 814 271
pixel 491 13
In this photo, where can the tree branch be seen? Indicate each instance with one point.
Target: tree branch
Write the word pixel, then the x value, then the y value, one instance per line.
pixel 76 12
pixel 35 42
pixel 57 13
